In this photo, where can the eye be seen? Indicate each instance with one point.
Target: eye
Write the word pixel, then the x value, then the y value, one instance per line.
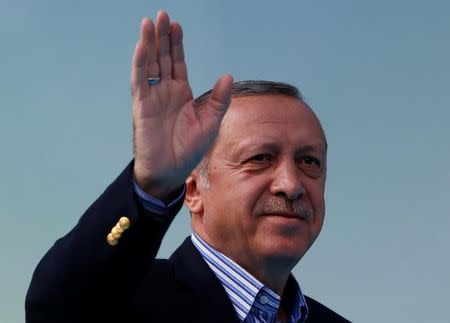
pixel 311 166
pixel 260 157
pixel 310 161
pixel 258 162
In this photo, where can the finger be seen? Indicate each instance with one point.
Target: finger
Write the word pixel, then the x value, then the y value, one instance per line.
pixel 211 115
pixel 163 45
pixel 179 70
pixel 139 86
pixel 148 38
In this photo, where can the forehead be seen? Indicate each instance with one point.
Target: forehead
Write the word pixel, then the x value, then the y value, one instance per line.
pixel 274 118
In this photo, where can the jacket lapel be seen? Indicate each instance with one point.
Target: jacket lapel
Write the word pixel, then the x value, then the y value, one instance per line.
pixel 203 297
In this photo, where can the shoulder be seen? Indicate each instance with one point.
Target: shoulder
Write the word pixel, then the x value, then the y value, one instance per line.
pixel 320 313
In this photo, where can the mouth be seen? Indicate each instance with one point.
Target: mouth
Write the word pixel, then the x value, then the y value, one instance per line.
pixel 289 215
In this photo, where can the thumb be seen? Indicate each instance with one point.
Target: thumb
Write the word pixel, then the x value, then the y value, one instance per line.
pixel 217 104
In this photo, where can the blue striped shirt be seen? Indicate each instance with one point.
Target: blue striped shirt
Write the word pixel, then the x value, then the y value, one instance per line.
pixel 253 302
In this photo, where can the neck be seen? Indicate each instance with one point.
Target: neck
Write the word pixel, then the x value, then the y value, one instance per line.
pixel 273 273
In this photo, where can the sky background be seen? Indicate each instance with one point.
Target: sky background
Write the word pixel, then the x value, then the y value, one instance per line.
pixel 377 73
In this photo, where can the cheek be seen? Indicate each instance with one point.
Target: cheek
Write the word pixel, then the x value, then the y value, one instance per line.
pixel 234 197
pixel 316 193
pixel 243 187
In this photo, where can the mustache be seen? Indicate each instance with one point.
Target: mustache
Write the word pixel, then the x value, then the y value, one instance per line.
pixel 280 206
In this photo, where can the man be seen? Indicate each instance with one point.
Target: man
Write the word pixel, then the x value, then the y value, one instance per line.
pixel 256 200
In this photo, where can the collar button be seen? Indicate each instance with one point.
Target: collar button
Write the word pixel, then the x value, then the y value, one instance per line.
pixel 264 300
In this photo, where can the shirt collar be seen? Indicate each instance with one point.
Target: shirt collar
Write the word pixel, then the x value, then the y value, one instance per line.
pixel 245 291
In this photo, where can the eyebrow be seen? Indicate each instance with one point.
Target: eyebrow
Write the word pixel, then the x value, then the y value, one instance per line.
pixel 245 145
pixel 300 150
pixel 311 148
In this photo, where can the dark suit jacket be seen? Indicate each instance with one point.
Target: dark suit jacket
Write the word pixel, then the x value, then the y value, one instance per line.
pixel 84 279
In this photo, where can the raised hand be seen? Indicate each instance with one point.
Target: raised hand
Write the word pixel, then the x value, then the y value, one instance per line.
pixel 171 134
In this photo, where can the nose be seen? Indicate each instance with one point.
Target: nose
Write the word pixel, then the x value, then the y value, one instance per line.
pixel 287 181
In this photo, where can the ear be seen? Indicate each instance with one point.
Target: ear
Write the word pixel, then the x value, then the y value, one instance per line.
pixel 193 199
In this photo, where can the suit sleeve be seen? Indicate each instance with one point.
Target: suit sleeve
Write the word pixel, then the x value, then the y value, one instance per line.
pixel 83 278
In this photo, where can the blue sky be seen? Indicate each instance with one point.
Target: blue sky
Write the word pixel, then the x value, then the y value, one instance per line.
pixel 376 73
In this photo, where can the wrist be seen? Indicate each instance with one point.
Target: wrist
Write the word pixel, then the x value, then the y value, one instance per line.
pixel 155 186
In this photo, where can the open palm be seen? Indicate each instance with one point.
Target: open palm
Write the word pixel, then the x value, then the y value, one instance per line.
pixel 171 133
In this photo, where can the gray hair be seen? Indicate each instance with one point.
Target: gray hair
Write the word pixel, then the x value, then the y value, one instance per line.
pixel 252 87
pixel 241 89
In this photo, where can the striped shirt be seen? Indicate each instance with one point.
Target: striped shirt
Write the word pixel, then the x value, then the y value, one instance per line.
pixel 253 302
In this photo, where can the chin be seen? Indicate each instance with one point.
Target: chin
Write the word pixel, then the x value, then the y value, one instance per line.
pixel 286 249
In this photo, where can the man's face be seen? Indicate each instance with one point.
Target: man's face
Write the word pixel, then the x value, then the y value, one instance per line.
pixel 265 198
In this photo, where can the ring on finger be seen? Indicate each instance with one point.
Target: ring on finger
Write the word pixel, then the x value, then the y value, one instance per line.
pixel 153 80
